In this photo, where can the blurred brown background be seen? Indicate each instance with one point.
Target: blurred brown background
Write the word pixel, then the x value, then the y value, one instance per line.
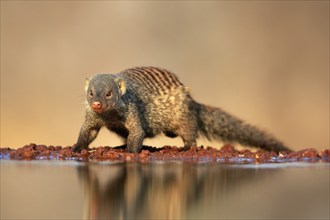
pixel 266 62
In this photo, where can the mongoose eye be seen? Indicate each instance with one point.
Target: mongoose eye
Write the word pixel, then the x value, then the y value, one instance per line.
pixel 108 94
pixel 91 93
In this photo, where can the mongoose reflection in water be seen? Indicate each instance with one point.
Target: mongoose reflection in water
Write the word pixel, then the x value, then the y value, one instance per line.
pixel 143 102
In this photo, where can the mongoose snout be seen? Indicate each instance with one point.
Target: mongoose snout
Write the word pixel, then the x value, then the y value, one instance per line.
pixel 97 106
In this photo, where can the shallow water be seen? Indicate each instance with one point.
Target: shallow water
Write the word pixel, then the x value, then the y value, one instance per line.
pixel 96 190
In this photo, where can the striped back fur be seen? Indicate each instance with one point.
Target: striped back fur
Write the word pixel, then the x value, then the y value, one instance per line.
pixel 153 79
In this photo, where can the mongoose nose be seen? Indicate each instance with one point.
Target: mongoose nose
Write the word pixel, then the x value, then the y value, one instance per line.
pixel 96 105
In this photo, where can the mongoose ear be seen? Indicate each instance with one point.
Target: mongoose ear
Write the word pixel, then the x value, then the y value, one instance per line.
pixel 121 85
pixel 86 84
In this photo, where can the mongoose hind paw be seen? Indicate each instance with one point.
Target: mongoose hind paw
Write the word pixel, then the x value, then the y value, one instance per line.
pixel 185 148
pixel 77 149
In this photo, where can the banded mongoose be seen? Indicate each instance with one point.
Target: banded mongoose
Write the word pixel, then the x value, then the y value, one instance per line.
pixel 143 102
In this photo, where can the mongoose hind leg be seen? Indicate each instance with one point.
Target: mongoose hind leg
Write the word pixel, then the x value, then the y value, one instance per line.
pixel 188 142
pixel 188 132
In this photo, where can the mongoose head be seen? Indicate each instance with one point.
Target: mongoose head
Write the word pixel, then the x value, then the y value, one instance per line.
pixel 104 91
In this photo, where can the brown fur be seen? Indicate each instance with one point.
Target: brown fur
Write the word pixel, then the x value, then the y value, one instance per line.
pixel 143 102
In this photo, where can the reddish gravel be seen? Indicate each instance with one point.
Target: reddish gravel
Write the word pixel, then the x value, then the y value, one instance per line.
pixel 227 154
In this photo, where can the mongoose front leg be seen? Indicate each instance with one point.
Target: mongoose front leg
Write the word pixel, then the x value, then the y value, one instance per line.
pixel 135 141
pixel 86 136
pixel 136 133
pixel 88 133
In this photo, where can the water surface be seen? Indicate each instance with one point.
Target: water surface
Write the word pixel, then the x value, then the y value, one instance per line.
pixel 94 190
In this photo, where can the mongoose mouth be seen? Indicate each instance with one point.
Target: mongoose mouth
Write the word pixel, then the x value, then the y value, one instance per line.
pixel 98 110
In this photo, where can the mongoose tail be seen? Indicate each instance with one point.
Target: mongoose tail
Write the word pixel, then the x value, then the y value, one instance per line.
pixel 216 124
